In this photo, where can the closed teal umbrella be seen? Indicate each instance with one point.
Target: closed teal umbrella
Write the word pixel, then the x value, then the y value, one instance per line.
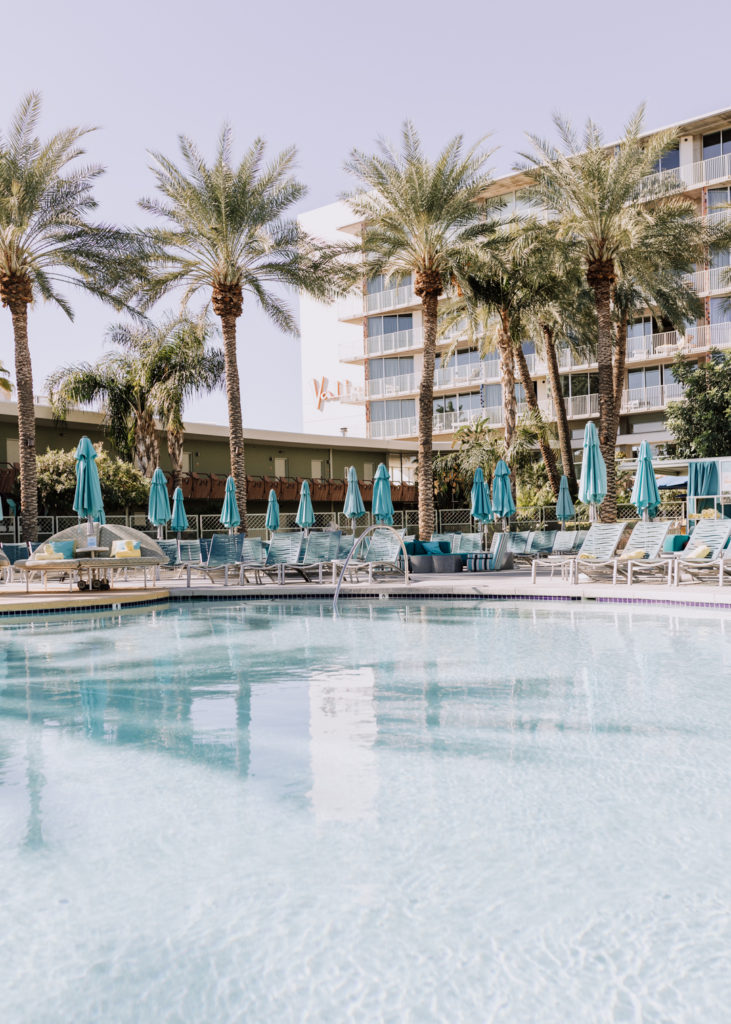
pixel 382 504
pixel 503 506
pixel 158 506
pixel 564 506
pixel 645 495
pixel 1 510
pixel 305 517
pixel 480 509
pixel 179 522
pixel 272 520
pixel 593 482
pixel 353 507
pixel 88 502
pixel 230 517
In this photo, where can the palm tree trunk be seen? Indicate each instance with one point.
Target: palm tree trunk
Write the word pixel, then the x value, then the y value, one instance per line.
pixel 235 420
pixel 600 276
pixel 147 445
pixel 507 376
pixel 175 437
pixel 547 454
pixel 620 359
pixel 429 302
pixel 26 423
pixel 559 402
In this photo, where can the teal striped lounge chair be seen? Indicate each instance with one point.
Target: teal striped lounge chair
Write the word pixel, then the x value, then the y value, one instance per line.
pixel 317 554
pixel 539 545
pixel 253 557
pixel 284 549
pixel 224 557
pixel 497 558
pixel 384 555
pixel 708 568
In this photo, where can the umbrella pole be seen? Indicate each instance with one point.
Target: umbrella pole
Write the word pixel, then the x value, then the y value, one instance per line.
pixel 159 533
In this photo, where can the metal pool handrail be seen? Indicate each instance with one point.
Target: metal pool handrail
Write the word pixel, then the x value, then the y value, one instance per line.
pixel 370 529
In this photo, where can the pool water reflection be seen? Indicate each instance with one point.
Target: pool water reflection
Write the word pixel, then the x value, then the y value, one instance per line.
pixel 443 811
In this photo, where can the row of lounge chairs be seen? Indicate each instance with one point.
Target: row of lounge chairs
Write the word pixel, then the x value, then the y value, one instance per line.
pixel 643 557
pixel 287 556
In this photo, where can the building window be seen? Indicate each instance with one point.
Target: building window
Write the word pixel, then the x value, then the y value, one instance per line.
pixel 491 396
pixel 720 258
pixel 670 160
pixel 718 197
pixel 367 470
pixel 393 409
pixel 280 467
pixel 379 325
pixel 395 366
pixel 316 469
pixel 381 283
pixel 716 144
pixel 574 385
pixel 640 328
pixel 720 309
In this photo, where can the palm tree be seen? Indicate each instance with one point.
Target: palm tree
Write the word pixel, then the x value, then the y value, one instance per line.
pixel 181 366
pixel 623 224
pixel 5 384
pixel 46 240
pixel 227 231
pixel 160 366
pixel 120 385
pixel 421 217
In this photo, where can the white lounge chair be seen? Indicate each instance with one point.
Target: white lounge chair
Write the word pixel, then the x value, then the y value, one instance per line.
pixel 641 555
pixel 703 559
pixel 599 545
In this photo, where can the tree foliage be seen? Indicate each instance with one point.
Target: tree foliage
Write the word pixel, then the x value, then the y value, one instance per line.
pixel 701 422
pixel 123 486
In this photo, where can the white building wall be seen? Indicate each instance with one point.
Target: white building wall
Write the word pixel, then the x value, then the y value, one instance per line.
pixel 324 377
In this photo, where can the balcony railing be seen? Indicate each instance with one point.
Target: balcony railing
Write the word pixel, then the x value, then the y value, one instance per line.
pixel 704 172
pixel 383 387
pixel 387 344
pixel 710 282
pixel 391 298
pixel 646 399
pixel 578 407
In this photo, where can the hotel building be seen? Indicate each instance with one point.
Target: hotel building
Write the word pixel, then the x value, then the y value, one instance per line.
pixel 362 359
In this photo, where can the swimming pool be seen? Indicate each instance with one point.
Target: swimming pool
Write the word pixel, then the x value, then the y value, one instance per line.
pixel 438 811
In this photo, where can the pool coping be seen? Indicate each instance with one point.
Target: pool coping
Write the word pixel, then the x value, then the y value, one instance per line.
pixel 458 590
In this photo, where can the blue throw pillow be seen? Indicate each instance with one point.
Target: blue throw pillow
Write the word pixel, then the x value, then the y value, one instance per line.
pixel 65 548
pixel 410 546
pixel 432 547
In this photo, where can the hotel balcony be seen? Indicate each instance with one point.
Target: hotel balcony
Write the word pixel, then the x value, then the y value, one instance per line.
pixel 710 282
pixel 358 304
pixel 690 177
pixel 578 407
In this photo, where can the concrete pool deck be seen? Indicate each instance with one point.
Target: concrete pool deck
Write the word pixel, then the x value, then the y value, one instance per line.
pixel 507 585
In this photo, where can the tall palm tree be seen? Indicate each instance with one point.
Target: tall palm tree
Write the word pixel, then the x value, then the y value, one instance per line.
pixel 622 222
pixel 421 217
pixel 119 384
pixel 47 240
pixel 226 230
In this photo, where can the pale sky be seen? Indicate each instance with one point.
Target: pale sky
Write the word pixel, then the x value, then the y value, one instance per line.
pixel 328 76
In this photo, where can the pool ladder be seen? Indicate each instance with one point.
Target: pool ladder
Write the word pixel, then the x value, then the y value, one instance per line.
pixel 346 563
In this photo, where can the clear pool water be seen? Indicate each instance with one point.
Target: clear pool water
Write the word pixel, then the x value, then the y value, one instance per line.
pixel 420 812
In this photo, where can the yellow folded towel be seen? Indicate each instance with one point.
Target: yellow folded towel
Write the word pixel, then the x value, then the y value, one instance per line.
pixel 126 549
pixel 702 551
pixel 587 556
pixel 45 553
pixel 634 555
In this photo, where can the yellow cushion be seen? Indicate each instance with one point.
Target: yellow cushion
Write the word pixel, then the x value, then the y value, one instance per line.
pixel 126 549
pixel 702 551
pixel 634 555
pixel 587 556
pixel 45 553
